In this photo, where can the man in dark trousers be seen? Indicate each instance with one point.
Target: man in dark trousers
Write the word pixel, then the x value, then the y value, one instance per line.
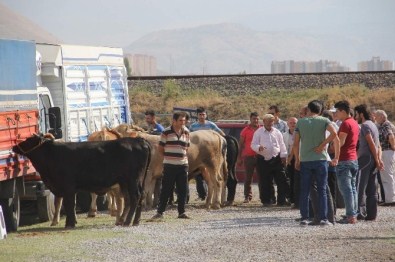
pixel 174 144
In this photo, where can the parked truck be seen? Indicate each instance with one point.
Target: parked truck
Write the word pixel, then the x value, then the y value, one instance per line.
pixel 67 90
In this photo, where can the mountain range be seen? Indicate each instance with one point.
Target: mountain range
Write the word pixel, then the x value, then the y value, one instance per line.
pixel 233 48
pixel 229 48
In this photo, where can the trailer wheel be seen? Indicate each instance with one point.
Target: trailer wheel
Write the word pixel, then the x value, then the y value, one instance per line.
pixel 46 207
pixel 11 211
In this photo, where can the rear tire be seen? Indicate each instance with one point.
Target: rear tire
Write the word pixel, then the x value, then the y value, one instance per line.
pixel 11 211
pixel 46 207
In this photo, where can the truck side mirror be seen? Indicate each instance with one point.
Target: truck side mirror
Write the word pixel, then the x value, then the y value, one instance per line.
pixel 57 133
pixel 55 120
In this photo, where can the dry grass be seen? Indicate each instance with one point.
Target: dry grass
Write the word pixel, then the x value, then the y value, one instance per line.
pixel 239 107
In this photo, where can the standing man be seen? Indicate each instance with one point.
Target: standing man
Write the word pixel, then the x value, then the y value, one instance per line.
pixel 387 142
pixel 278 123
pixel 269 145
pixel 173 145
pixel 292 174
pixel 311 159
pixel 369 162
pixel 246 155
pixel 153 127
pixel 203 124
pixel 347 168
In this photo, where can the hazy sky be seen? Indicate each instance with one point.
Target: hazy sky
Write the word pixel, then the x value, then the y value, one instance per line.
pixel 120 22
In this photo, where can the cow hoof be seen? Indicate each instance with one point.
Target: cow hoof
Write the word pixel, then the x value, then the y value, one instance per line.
pixel 113 213
pixel 216 206
pixel 54 224
pixel 135 224
pixel 91 215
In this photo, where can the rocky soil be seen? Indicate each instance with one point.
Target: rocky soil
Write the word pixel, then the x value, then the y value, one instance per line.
pixel 249 232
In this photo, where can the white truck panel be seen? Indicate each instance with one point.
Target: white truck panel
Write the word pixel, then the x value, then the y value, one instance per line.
pixel 90 87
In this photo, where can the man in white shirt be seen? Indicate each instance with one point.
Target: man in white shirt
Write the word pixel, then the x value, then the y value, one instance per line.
pixel 271 151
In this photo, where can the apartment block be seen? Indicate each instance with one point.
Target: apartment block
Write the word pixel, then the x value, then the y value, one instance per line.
pixel 375 64
pixel 291 67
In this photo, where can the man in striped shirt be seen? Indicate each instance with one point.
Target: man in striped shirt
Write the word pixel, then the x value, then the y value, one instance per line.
pixel 173 145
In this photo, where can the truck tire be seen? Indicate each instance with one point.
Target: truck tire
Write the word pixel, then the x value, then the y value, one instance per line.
pixel 11 211
pixel 46 207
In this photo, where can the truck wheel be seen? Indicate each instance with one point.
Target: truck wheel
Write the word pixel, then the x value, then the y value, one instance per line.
pixel 46 207
pixel 11 211
pixel 84 201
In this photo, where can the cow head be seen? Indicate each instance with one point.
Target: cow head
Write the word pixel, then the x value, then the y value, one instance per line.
pixel 31 143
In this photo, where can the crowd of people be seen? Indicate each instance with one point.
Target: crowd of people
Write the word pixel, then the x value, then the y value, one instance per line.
pixel 310 158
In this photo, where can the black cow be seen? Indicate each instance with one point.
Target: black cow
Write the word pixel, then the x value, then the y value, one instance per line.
pixel 66 168
pixel 231 160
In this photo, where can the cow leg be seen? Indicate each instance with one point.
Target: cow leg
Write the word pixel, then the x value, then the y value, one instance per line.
pixel 158 185
pixel 110 202
pixel 210 187
pixel 93 209
pixel 126 206
pixel 218 184
pixel 140 199
pixel 58 206
pixel 117 207
pixel 134 195
pixel 69 206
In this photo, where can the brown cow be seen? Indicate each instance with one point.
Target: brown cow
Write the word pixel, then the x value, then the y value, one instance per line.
pixel 206 154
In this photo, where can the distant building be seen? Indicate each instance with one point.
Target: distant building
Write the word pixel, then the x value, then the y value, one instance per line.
pixel 291 67
pixel 375 64
pixel 142 65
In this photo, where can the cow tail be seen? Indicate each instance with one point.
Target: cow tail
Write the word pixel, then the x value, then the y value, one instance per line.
pixel 224 164
pixel 234 161
pixel 146 172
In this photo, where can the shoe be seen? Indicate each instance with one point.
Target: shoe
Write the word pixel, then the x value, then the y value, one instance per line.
pixel 370 219
pixel 347 220
pixel 184 216
pixel 314 223
pixel 360 217
pixel 228 203
pixel 267 204
pixel 200 199
pixel 304 222
pixel 247 200
pixel 325 223
pixel 285 204
pixel 157 216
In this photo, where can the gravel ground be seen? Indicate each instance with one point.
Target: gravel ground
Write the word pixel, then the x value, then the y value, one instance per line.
pixel 249 232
